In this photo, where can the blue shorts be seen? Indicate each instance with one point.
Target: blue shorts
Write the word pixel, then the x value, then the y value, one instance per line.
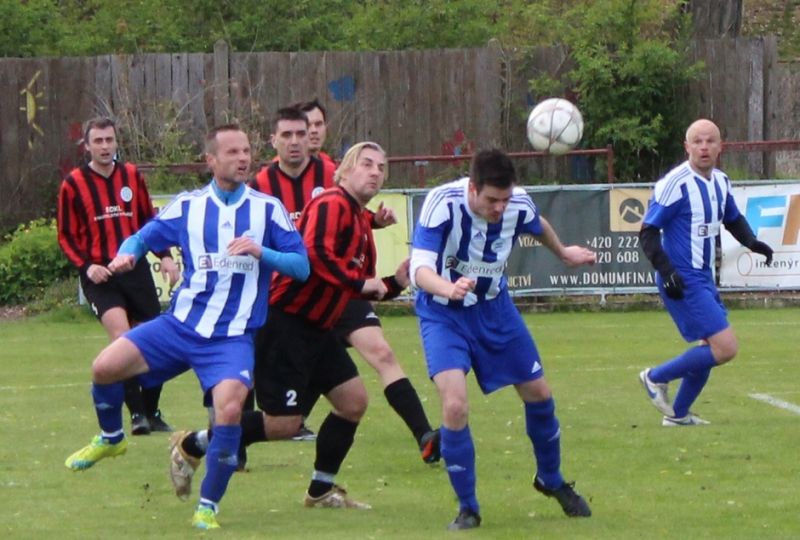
pixel 700 313
pixel 169 347
pixel 489 337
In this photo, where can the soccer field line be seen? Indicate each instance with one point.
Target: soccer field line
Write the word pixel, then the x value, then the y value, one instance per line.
pixel 775 402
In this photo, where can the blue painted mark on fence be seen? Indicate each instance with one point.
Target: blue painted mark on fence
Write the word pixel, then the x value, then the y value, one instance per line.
pixel 343 88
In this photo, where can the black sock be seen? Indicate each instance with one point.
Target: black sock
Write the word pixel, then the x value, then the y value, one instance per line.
pixel 334 439
pixel 133 396
pixel 150 398
pixel 253 427
pixel 189 445
pixel 405 401
pixel 317 488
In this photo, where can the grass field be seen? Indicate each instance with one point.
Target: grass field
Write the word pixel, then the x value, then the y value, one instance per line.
pixel 736 478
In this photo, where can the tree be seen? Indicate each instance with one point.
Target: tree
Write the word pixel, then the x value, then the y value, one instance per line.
pixel 630 76
pixel 30 28
pixel 420 24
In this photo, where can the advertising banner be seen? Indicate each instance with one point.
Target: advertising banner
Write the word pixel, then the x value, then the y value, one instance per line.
pixel 773 212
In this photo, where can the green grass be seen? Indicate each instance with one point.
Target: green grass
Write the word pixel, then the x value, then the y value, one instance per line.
pixel 736 478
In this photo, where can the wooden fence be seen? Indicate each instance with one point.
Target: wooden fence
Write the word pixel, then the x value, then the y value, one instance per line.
pixel 431 102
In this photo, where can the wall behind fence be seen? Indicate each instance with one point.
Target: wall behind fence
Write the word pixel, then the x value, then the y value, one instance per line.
pixel 432 102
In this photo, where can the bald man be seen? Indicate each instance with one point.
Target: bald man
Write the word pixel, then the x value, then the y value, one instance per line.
pixel 689 205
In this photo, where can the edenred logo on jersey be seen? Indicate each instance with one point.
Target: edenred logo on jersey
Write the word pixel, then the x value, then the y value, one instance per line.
pixel 218 263
pixel 473 268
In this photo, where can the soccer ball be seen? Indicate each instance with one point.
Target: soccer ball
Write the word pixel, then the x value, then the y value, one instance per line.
pixel 555 125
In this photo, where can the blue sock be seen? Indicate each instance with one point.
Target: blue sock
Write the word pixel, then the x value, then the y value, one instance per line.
pixel 458 452
pixel 691 386
pixel 695 359
pixel 542 427
pixel 108 400
pixel 220 462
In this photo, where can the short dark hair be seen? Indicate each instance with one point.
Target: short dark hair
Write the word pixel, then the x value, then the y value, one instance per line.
pixel 308 106
pixel 289 113
pixel 98 122
pixel 211 136
pixel 492 168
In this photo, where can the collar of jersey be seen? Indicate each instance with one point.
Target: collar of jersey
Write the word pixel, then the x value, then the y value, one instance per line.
pixel 228 198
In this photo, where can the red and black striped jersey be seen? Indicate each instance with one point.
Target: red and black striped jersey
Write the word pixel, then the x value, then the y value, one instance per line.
pixel 295 193
pixel 95 213
pixel 327 159
pixel 341 251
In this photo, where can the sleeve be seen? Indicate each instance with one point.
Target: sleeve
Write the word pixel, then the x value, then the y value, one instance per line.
pixel 285 251
pixel 531 223
pixel 663 205
pixel 164 231
pixel 71 228
pixel 372 222
pixel 731 212
pixel 322 224
pixel 435 221
pixel 145 207
pixel 393 288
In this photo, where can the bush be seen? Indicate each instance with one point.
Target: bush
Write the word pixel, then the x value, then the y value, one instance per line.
pixel 30 261
pixel 630 75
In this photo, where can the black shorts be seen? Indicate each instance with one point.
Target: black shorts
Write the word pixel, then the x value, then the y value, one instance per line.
pixel 357 314
pixel 295 359
pixel 133 291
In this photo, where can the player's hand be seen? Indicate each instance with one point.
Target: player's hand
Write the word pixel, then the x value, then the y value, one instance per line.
pixel 673 285
pixel 762 248
pixel 578 255
pixel 385 216
pixel 401 274
pixel 461 288
pixel 374 288
pixel 98 273
pixel 119 265
pixel 244 245
pixel 169 271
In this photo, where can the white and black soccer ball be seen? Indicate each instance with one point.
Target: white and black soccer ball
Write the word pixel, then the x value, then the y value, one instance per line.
pixel 555 125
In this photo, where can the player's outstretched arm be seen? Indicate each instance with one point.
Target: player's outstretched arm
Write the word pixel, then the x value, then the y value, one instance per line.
pixel 122 263
pixel 740 229
pixel 131 250
pixel 570 255
pixel 650 240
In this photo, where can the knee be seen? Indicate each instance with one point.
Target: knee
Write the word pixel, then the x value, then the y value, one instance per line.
pixel 103 371
pixel 454 412
pixel 380 356
pixel 355 406
pixel 228 413
pixel 725 352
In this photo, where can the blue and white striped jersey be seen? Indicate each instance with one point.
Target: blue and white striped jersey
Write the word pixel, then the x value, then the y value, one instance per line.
pixel 221 295
pixel 466 244
pixel 690 209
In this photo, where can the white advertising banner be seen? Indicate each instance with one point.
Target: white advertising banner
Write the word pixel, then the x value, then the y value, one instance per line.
pixel 773 212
